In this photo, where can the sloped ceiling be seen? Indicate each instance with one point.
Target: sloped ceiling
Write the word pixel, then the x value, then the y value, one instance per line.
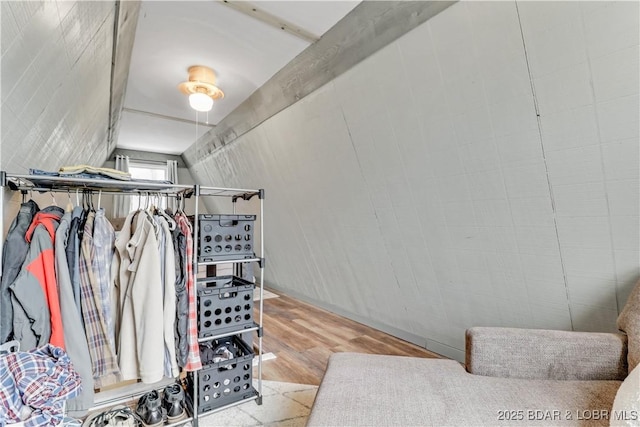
pixel 65 72
pixel 57 80
pixel 243 51
pixel 75 84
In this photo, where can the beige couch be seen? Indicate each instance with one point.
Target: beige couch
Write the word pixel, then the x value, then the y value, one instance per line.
pixel 512 377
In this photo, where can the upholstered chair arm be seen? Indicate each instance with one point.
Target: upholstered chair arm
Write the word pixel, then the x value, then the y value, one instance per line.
pixel 545 354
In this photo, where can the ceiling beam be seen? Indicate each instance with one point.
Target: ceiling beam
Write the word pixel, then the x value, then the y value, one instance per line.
pixel 369 27
pixel 269 19
pixel 124 30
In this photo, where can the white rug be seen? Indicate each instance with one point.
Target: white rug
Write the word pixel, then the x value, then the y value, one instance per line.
pixel 267 294
pixel 283 405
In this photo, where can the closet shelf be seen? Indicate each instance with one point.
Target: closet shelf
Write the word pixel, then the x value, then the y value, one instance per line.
pixel 46 183
pixel 106 399
pixel 63 183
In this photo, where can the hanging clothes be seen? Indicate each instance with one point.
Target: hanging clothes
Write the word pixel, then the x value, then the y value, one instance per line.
pixel 73 253
pixel 193 357
pixel 74 335
pixel 36 305
pixel 182 299
pixel 94 307
pixel 41 379
pixel 103 241
pixel 14 253
pixel 139 288
pixel 168 274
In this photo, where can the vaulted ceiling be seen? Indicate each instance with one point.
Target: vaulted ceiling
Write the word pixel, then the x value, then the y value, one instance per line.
pixel 244 43
pixel 81 78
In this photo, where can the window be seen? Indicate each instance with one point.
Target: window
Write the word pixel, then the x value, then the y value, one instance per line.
pixel 154 171
pixel 148 171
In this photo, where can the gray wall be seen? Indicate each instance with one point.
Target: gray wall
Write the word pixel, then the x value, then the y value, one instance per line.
pixel 480 170
pixel 57 83
pixel 56 66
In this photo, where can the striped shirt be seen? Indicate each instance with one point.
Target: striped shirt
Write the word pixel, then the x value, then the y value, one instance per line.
pixel 193 357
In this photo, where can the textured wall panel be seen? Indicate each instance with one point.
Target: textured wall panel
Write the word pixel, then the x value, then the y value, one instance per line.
pixel 56 80
pixel 420 192
pixel 56 84
pixel 56 62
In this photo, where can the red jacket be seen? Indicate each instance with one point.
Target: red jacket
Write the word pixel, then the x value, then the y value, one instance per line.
pixel 41 267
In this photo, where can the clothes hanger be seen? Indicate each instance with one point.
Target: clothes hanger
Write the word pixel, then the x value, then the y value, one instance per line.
pixel 69 207
pixel 53 198
pixel 149 211
pixel 181 205
pixel 171 222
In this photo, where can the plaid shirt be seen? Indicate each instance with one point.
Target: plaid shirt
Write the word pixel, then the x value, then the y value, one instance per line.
pixel 42 379
pixel 103 239
pixel 103 355
pixel 193 357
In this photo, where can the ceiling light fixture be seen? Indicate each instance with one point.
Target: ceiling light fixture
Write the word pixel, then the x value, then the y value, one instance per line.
pixel 201 88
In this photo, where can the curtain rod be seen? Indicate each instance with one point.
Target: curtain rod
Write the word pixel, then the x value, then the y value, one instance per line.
pixel 158 162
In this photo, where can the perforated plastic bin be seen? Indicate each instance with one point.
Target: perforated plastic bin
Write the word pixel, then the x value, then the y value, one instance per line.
pixel 225 304
pixel 226 382
pixel 225 237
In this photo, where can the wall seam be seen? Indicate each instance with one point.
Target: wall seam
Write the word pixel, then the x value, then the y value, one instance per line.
pixel 546 166
pixel 604 173
pixel 425 241
pixel 368 189
pixel 445 287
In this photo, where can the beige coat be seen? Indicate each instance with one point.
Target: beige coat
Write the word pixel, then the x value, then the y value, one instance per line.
pixel 138 298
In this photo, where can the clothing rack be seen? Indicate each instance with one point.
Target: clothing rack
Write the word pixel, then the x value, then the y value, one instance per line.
pixel 68 184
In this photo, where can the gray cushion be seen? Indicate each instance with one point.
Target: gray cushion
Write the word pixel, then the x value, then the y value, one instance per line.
pixel 365 390
pixel 539 354
pixel 629 322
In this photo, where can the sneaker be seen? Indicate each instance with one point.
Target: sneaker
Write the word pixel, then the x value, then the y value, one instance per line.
pixel 150 410
pixel 173 403
pixel 118 416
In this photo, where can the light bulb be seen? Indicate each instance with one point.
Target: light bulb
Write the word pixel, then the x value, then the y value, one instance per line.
pixel 200 101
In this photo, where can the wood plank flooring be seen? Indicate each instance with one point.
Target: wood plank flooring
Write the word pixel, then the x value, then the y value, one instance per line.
pixel 303 337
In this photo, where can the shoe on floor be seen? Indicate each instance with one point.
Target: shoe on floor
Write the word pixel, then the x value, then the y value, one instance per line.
pixel 118 416
pixel 150 410
pixel 173 403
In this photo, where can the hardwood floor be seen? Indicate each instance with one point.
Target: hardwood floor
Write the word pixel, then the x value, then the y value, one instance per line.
pixel 303 337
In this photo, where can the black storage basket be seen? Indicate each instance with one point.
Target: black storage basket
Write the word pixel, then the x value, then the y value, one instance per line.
pixel 225 237
pixel 226 382
pixel 225 304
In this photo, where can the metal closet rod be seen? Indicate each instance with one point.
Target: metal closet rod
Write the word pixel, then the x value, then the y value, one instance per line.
pixel 83 190
pixel 64 183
